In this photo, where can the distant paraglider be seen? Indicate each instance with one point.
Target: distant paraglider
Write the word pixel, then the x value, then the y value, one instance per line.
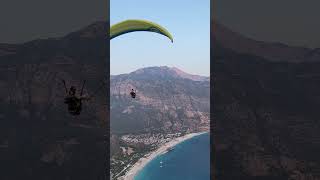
pixel 137 25
pixel 133 93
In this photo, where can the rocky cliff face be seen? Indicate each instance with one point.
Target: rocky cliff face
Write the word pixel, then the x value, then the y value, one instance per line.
pixel 168 100
pixel 265 114
pixel 39 139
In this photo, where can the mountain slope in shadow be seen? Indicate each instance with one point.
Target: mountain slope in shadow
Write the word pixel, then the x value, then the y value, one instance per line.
pixel 39 138
pixel 265 113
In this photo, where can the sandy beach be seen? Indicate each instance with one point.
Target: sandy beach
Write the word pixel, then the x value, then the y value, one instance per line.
pixel 145 160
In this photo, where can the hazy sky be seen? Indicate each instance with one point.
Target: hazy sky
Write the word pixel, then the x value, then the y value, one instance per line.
pixel 25 20
pixel 292 22
pixel 189 23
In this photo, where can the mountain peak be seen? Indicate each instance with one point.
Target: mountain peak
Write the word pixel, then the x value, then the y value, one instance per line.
pixel 272 51
pixel 94 30
pixel 169 71
pixel 185 75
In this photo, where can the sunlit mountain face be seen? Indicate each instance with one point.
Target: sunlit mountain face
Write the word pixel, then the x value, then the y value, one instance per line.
pixel 168 100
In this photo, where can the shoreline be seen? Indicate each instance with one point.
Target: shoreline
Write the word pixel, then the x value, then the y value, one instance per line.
pixel 142 162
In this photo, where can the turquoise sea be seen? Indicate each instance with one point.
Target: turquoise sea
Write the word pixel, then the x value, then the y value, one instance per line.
pixel 189 160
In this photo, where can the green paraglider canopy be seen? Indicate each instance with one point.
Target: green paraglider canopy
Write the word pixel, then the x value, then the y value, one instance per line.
pixel 137 25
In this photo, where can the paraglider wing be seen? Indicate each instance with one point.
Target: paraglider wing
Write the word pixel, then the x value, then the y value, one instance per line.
pixel 137 25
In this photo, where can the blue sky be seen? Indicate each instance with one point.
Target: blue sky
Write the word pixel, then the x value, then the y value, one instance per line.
pixel 187 20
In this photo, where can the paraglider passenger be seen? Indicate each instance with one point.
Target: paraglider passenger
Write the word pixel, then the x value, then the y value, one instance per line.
pixel 74 103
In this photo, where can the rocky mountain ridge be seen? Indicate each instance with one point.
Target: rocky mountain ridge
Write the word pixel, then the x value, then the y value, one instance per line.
pixel 271 51
pixel 166 101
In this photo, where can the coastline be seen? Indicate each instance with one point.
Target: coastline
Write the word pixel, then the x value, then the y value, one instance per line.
pixel 142 162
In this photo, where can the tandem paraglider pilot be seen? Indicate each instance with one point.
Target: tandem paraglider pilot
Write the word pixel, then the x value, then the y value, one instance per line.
pixel 73 101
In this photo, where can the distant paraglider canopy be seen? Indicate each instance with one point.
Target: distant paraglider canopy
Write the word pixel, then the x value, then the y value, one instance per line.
pixel 137 25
